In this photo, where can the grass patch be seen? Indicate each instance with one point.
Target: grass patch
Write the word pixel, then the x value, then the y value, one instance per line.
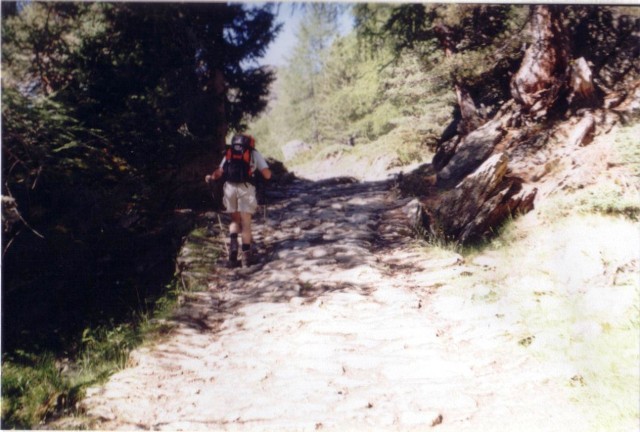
pixel 609 198
pixel 573 283
pixel 402 146
pixel 627 148
pixel 614 194
pixel 33 389
pixel 408 142
pixel 562 281
pixel 39 388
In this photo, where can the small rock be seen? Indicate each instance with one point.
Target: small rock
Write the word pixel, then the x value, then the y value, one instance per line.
pixel 332 236
pixel 300 245
pixel 359 218
pixel 415 418
pixel 416 214
pixel 320 252
pixel 454 260
pixel 102 413
pixel 296 301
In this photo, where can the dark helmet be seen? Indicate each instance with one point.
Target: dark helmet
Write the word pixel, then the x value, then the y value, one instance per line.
pixel 244 140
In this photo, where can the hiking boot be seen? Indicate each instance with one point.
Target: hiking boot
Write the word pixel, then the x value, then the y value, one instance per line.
pixel 247 259
pixel 233 260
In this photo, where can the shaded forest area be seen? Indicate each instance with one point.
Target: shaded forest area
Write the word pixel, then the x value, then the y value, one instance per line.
pixel 112 113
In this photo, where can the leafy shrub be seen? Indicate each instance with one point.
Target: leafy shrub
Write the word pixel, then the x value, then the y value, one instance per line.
pixel 33 392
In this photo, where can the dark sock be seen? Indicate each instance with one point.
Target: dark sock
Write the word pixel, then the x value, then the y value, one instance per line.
pixel 233 247
pixel 246 247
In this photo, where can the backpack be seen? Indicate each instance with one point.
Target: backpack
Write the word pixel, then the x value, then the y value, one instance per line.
pixel 237 166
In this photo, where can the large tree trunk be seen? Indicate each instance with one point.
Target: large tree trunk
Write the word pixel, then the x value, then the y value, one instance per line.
pixel 584 93
pixel 470 119
pixel 476 193
pixel 470 152
pixel 480 166
pixel 543 72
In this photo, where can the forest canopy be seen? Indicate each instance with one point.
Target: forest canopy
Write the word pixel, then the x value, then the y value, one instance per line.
pixel 111 115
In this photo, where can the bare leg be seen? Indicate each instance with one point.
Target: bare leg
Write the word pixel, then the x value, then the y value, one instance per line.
pixel 234 230
pixel 246 227
pixel 236 223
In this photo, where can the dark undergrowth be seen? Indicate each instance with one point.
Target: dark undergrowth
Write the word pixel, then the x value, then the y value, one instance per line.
pixel 80 326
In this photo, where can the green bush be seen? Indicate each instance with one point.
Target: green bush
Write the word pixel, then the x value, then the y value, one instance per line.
pixel 34 391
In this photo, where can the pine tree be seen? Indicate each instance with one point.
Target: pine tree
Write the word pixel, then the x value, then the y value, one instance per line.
pixel 456 43
pixel 104 106
pixel 301 80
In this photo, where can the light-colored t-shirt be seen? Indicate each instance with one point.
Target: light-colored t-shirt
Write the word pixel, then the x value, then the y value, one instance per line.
pixel 257 161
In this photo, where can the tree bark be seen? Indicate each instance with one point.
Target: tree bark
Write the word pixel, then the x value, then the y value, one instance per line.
pixel 477 186
pixel 469 154
pixel 543 72
pixel 583 132
pixel 470 119
pixel 482 201
pixel 583 91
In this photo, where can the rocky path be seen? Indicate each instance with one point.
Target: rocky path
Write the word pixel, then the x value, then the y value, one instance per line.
pixel 346 325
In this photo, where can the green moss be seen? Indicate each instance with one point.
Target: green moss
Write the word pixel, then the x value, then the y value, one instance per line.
pixel 627 148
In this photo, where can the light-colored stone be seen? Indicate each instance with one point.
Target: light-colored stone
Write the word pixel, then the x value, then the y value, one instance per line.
pixel 320 252
pixel 324 336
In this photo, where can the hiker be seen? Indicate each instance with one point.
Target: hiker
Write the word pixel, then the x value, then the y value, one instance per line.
pixel 238 169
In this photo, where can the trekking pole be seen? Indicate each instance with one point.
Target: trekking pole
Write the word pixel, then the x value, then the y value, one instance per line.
pixel 264 204
pixel 261 186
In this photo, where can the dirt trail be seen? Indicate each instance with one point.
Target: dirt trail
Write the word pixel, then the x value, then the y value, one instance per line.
pixel 344 327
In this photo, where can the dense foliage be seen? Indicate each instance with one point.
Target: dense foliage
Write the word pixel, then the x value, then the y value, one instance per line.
pixel 112 113
pixel 397 82
pixel 390 81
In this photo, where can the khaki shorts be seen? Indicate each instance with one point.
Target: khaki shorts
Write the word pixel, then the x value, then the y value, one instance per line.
pixel 240 197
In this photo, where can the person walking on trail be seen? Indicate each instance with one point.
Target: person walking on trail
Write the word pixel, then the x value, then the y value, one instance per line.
pixel 237 169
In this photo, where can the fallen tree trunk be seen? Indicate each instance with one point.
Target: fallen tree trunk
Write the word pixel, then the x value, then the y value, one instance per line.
pixel 472 150
pixel 481 202
pixel 582 132
pixel 554 102
pixel 474 161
